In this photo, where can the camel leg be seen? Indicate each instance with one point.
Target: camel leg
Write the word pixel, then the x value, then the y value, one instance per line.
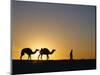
pixel 30 57
pixel 39 56
pixel 21 57
pixel 47 57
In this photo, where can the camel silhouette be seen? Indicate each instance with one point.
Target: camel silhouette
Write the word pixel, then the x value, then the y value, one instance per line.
pixel 28 51
pixel 45 51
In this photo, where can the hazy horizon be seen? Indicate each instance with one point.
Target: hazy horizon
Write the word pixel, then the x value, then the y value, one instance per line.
pixel 54 26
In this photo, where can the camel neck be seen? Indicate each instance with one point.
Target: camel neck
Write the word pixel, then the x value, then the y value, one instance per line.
pixel 34 52
pixel 51 52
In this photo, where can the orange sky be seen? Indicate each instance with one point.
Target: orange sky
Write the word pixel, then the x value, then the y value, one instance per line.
pixel 53 26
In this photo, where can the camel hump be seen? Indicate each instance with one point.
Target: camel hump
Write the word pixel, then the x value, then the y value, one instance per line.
pixel 44 50
pixel 27 50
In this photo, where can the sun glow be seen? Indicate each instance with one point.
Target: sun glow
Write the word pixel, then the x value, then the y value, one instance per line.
pixel 40 45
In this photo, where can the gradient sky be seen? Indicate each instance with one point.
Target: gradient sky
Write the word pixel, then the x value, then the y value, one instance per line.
pixel 54 26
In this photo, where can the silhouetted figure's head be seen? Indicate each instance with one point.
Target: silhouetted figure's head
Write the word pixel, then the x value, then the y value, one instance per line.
pixel 71 49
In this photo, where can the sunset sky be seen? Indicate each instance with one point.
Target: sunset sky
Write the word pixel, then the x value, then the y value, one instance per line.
pixel 54 26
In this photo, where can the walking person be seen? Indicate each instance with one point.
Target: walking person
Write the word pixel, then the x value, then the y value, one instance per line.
pixel 71 54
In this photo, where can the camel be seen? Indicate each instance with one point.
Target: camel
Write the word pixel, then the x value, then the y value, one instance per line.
pixel 28 51
pixel 45 51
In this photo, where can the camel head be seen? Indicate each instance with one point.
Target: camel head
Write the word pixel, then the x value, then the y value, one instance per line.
pixel 37 50
pixel 53 50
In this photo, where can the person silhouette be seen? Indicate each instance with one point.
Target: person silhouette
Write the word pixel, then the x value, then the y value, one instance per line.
pixel 71 54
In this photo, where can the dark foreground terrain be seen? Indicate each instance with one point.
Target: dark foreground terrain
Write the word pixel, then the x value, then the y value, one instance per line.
pixel 38 66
